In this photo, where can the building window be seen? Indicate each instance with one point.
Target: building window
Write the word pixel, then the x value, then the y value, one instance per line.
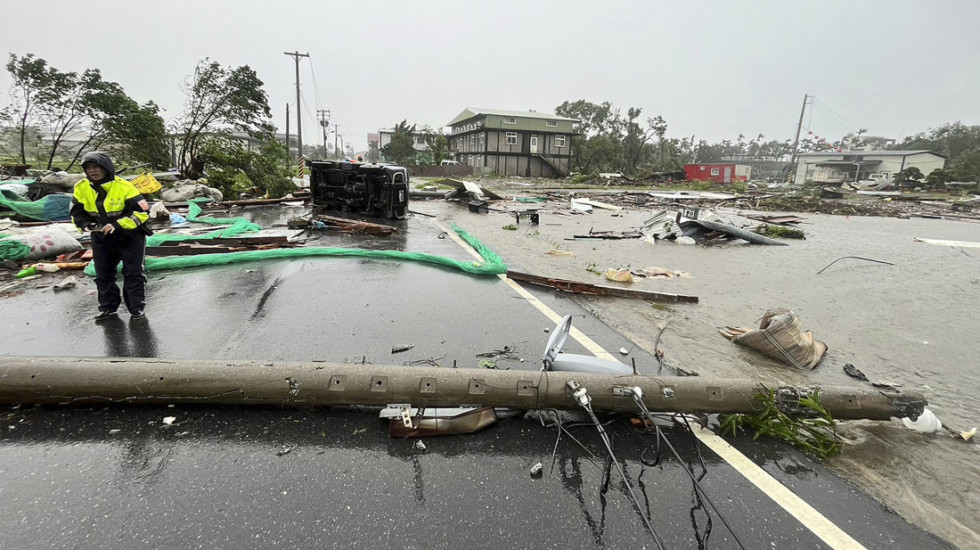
pixel 559 141
pixel 714 171
pixel 420 140
pixel 510 121
pixel 553 123
pixel 511 138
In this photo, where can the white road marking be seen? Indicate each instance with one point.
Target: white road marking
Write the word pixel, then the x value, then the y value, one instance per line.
pixel 817 523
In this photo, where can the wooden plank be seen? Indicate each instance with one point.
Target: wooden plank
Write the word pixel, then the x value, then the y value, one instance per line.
pixel 576 287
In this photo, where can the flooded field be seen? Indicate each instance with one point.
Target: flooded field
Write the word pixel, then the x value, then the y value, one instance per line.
pixel 913 324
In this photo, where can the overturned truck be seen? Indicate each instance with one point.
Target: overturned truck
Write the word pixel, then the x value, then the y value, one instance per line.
pixel 371 189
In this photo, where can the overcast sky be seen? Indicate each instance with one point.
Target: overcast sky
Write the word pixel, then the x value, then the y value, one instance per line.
pixel 711 69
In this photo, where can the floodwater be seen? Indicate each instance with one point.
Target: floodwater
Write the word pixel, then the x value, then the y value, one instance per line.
pixel 913 323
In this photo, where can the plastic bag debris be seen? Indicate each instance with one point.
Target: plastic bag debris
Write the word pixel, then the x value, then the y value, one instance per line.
pixel 68 282
pixel 927 422
pixel 620 275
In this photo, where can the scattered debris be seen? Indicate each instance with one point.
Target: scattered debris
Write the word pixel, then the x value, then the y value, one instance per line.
pixel 576 287
pixel 854 372
pixel 478 206
pixel 727 229
pixel 597 204
pixel 926 422
pixel 284 451
pixel 661 226
pixel 401 348
pixel 555 252
pixel 661 273
pixel 780 336
pixel 778 220
pixel 619 275
pixel 344 225
pixel 169 420
pixel 537 470
pixel 783 232
pixel 854 258
pixel 68 282
pixel 940 242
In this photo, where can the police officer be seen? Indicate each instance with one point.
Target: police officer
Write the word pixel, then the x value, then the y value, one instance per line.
pixel 116 214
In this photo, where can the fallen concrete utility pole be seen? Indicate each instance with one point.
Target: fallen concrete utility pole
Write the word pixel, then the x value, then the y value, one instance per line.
pixel 577 287
pixel 68 380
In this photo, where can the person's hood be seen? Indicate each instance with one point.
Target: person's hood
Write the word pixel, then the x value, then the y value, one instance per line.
pixel 103 160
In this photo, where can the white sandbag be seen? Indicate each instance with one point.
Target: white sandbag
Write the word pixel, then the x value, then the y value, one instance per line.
pixel 780 336
pixel 186 190
pixel 63 179
pixel 19 188
pixel 47 241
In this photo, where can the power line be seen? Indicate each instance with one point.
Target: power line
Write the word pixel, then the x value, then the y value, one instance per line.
pixel 847 123
pixel 316 89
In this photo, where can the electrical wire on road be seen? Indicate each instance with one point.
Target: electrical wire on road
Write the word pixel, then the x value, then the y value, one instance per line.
pixel 637 394
pixel 581 396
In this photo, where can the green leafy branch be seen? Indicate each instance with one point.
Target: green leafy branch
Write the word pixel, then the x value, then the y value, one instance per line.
pixel 813 431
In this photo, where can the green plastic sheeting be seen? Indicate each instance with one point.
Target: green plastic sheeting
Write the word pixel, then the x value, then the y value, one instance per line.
pixel 492 264
pixel 238 226
pixel 52 208
pixel 11 249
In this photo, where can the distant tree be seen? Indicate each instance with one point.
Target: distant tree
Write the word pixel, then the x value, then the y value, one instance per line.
pixel 219 100
pixel 374 153
pixel 598 143
pixel 958 142
pixel 233 168
pixel 82 112
pixel 401 148
pixel 659 128
pixel 910 174
pixel 438 144
pixel 634 139
pixel 139 135
pixel 35 84
pixel 939 177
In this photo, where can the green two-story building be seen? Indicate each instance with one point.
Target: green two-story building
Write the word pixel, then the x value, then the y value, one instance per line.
pixel 512 143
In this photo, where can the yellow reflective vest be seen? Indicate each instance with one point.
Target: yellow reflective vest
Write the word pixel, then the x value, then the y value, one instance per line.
pixel 115 201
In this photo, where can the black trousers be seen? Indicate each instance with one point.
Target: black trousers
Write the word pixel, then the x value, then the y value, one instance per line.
pixel 128 247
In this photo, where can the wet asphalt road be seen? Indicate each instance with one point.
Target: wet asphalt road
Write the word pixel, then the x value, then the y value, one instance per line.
pixel 219 477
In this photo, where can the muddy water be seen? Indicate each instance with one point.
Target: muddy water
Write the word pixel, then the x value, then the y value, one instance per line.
pixel 915 323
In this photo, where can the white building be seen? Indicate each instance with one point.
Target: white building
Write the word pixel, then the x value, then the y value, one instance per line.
pixel 853 166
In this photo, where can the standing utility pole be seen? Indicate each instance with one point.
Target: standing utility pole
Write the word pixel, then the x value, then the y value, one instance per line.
pixel 799 126
pixel 324 122
pixel 336 133
pixel 299 120
pixel 289 150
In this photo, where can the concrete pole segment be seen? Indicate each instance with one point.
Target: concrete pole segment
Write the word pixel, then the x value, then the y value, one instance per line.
pixel 133 380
